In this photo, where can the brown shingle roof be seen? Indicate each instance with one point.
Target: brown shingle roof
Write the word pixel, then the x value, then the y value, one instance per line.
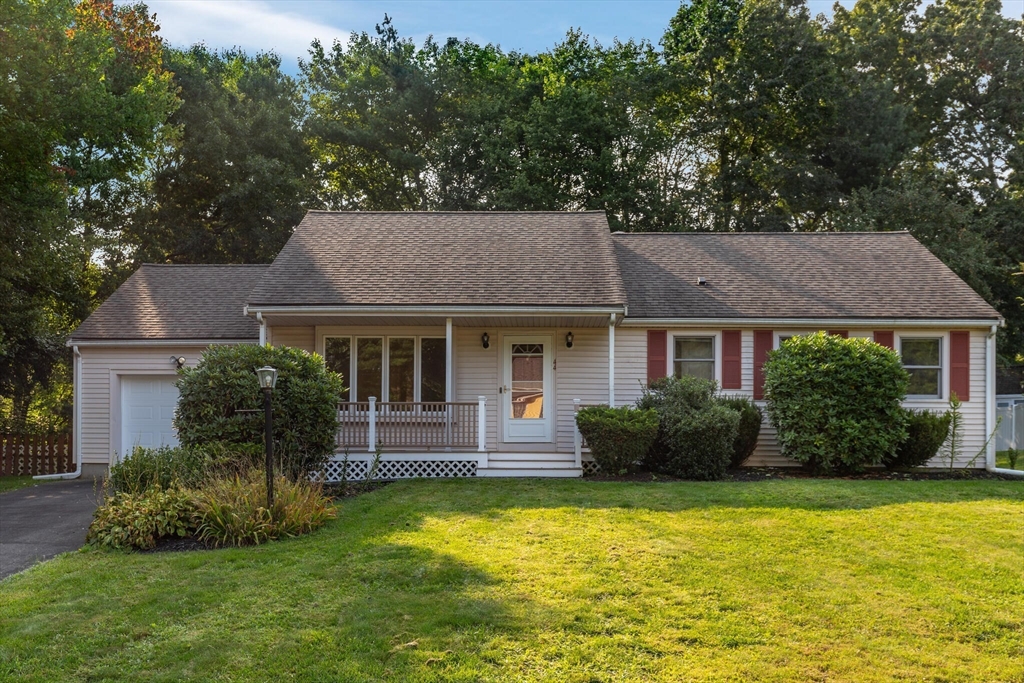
pixel 791 275
pixel 438 258
pixel 177 302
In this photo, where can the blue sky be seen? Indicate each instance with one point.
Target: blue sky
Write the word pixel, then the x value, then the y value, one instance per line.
pixel 288 26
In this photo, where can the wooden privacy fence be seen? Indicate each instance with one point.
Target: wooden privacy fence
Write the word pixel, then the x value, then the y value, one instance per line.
pixel 30 454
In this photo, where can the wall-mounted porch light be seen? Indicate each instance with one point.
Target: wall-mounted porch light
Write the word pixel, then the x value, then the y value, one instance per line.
pixel 568 341
pixel 486 341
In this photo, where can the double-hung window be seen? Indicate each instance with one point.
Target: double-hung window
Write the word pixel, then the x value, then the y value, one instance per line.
pixel 922 359
pixel 395 369
pixel 694 356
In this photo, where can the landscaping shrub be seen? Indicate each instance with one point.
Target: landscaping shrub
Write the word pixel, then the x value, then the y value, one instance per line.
pixel 836 402
pixel 926 432
pixel 618 438
pixel 145 468
pixel 696 433
pixel 749 428
pixel 138 520
pixel 233 510
pixel 305 403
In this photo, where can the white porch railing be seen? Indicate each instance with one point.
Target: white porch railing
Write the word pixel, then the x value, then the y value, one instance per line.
pixel 412 425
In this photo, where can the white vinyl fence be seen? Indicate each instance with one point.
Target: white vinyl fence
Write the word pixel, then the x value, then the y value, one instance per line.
pixel 1011 426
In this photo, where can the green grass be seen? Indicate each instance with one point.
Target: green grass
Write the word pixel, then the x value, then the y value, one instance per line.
pixel 520 580
pixel 12 483
pixel 1003 460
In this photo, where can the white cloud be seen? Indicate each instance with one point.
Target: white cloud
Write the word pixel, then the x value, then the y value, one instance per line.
pixel 234 23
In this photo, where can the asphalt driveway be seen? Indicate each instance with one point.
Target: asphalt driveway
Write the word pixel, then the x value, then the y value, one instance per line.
pixel 39 522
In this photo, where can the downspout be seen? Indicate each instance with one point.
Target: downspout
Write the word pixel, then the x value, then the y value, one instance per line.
pixel 263 328
pixel 990 407
pixel 76 428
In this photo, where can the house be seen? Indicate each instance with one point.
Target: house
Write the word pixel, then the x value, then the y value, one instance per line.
pixel 469 339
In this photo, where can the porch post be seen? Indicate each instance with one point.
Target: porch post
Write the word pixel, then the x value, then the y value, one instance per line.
pixel 448 383
pixel 481 424
pixel 577 438
pixel 611 361
pixel 372 415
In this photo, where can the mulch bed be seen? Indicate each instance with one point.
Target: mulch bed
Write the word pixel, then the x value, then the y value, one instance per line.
pixel 772 473
pixel 174 545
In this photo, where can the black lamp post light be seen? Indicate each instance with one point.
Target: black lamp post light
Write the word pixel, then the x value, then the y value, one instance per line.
pixel 268 380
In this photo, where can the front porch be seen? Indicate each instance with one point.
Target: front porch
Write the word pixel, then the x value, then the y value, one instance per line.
pixel 469 395
pixel 402 440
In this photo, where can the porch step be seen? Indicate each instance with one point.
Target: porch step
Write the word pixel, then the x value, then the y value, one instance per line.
pixel 528 469
pixel 542 459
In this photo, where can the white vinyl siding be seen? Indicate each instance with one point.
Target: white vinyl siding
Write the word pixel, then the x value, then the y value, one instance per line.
pixel 297 337
pixel 100 392
pixel 631 376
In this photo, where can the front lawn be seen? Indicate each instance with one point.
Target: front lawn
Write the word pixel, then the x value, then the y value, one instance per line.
pixel 525 580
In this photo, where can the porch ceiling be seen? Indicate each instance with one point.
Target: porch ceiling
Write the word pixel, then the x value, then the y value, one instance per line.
pixel 577 321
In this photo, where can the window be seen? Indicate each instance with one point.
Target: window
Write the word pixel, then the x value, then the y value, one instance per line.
pixel 433 379
pixel 695 356
pixel 922 359
pixel 369 368
pixel 338 357
pixel 394 369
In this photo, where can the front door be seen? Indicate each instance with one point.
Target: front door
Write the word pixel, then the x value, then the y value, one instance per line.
pixel 526 390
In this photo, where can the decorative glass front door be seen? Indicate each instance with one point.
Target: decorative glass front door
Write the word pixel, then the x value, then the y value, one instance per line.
pixel 526 389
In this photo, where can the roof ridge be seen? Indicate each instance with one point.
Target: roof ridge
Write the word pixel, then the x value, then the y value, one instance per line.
pixel 205 265
pixel 821 232
pixel 457 213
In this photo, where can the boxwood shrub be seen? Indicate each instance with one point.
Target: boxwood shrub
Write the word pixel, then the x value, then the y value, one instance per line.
pixel 749 428
pixel 836 402
pixel 215 392
pixel 926 432
pixel 618 438
pixel 696 432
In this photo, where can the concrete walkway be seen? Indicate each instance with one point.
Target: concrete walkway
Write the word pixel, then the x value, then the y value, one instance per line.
pixel 39 522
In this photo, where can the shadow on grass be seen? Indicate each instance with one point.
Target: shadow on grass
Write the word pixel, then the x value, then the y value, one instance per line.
pixel 481 495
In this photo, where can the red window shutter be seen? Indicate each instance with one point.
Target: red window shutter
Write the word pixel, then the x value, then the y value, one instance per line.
pixel 657 347
pixel 840 333
pixel 960 364
pixel 732 360
pixel 885 338
pixel 762 345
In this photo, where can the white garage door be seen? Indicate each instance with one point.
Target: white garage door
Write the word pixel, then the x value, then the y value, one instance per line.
pixel 147 409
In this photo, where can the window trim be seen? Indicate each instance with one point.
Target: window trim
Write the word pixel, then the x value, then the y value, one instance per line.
pixel 716 355
pixel 352 379
pixel 943 366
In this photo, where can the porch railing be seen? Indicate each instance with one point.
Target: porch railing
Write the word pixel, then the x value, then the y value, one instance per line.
pixel 417 425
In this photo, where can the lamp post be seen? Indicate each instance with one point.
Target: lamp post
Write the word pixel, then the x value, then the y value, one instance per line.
pixel 268 380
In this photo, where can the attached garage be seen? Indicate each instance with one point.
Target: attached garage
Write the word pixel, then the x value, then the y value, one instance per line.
pixel 147 411
pixel 128 351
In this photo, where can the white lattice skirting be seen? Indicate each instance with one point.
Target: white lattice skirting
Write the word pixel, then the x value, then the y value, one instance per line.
pixel 357 470
pixel 590 468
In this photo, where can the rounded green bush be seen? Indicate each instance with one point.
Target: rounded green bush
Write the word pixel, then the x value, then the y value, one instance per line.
pixel 618 437
pixel 305 404
pixel 696 432
pixel 836 403
pixel 926 432
pixel 751 418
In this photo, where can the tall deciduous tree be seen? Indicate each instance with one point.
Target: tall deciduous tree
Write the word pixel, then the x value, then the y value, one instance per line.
pixel 233 177
pixel 82 95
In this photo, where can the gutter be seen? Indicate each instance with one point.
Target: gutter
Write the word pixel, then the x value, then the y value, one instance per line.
pixel 156 343
pixel 76 431
pixel 990 406
pixel 806 322
pixel 434 310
